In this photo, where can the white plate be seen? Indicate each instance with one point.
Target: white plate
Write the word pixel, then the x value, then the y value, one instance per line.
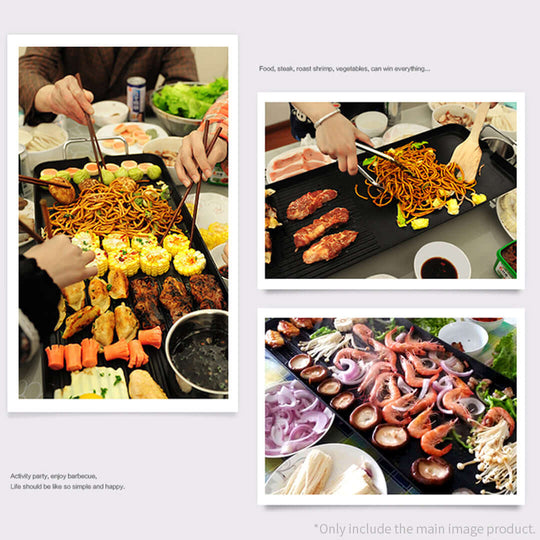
pixel 289 153
pixel 217 253
pixel 343 456
pixel 27 212
pixel 212 207
pixel 327 411
pixel 512 235
pixel 402 131
pixel 447 251
pixel 108 131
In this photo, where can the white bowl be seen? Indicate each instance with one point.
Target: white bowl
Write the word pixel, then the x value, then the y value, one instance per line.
pixel 110 112
pixel 488 326
pixel 402 131
pixel 381 276
pixel 455 109
pixel 443 250
pixel 50 154
pixel 472 337
pixel 169 144
pixel 372 123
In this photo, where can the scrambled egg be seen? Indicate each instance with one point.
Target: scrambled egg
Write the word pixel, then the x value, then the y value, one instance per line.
pixel 478 198
pixel 419 223
pixel 453 207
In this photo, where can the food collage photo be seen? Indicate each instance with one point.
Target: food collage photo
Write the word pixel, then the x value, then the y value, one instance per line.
pixel 317 288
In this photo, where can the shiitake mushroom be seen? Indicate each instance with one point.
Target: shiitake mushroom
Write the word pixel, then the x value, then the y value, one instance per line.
pixel 299 362
pixel 314 374
pixel 431 471
pixel 390 437
pixel 342 401
pixel 329 387
pixel 365 417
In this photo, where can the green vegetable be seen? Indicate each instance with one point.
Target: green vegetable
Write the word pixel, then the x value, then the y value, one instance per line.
pixel 369 161
pixel 136 174
pixel 80 176
pixel 153 172
pixel 433 326
pixel 401 221
pixel 504 358
pixel 322 331
pixel 152 133
pixel 122 171
pixel 64 175
pixel 418 145
pixel 107 176
pixel 496 399
pixel 103 392
pixel 189 101
pixel 391 325
pixel 459 439
pixel 117 379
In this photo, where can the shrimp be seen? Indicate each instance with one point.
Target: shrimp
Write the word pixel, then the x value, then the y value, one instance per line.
pixel 495 415
pixel 374 371
pixel 354 354
pixel 423 345
pixel 451 402
pixel 421 424
pixel 410 374
pixel 433 437
pixel 421 367
pixel 363 332
pixel 385 353
pixel 384 390
pixel 397 417
pixel 427 401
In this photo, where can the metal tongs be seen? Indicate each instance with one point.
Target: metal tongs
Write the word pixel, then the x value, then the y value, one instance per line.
pixel 378 153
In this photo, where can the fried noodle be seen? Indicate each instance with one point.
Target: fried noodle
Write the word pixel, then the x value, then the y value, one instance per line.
pixel 431 185
pixel 103 210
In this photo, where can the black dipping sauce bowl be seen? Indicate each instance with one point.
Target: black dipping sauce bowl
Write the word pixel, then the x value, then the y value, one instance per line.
pixel 197 350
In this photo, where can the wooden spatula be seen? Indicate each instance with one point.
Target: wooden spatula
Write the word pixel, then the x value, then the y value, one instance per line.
pixel 468 154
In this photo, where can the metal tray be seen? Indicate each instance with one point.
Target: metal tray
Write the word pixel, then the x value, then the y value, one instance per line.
pixel 401 461
pixel 376 226
pixel 158 366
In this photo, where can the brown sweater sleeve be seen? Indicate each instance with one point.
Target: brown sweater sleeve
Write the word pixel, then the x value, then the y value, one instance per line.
pixel 38 67
pixel 178 64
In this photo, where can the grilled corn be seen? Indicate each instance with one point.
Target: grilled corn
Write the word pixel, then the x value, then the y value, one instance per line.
pixel 189 263
pixel 155 260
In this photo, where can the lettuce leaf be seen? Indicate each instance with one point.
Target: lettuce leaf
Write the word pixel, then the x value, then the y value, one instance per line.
pixel 504 357
pixel 189 101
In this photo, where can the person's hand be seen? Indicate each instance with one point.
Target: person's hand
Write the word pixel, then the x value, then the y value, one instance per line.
pixel 336 137
pixel 63 261
pixel 192 157
pixel 65 97
pixel 225 254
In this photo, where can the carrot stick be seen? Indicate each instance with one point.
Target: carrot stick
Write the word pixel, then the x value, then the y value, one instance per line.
pixel 55 357
pixel 151 337
pixel 119 349
pixel 90 348
pixel 137 356
pixel 73 357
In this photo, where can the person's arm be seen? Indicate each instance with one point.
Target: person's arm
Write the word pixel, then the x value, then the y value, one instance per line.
pixel 41 97
pixel 192 155
pixel 178 64
pixel 336 135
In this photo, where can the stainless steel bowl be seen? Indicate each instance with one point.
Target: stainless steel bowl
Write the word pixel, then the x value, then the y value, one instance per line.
pixel 175 125
pixel 501 147
pixel 205 319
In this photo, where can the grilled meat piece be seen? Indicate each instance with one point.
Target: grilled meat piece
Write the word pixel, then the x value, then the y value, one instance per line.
pixel 308 203
pixel 63 195
pixel 301 322
pixel 307 234
pixel 145 293
pixel 329 247
pixel 206 292
pixel 274 339
pixel 288 329
pixel 175 298
pixel 127 324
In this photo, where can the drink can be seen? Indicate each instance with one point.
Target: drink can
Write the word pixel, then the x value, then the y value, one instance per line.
pixel 136 98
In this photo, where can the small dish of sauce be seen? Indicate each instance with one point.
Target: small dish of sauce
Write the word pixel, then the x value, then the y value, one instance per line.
pixel 438 268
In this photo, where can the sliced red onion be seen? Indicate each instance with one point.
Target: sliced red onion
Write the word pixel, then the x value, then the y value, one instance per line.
pixel 403 386
pixel 432 355
pixel 286 397
pixel 353 375
pixel 439 402
pixel 451 361
pixel 455 373
pixel 429 363
pixel 474 405
pixel 400 338
pixel 402 409
pixel 445 383
pixel 425 388
pixel 318 418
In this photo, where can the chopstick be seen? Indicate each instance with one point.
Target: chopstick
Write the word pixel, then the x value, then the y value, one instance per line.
pixel 207 149
pixel 46 217
pixel 44 183
pixel 30 232
pixel 93 138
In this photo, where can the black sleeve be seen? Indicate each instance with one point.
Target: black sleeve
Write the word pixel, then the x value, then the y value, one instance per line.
pixel 38 296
